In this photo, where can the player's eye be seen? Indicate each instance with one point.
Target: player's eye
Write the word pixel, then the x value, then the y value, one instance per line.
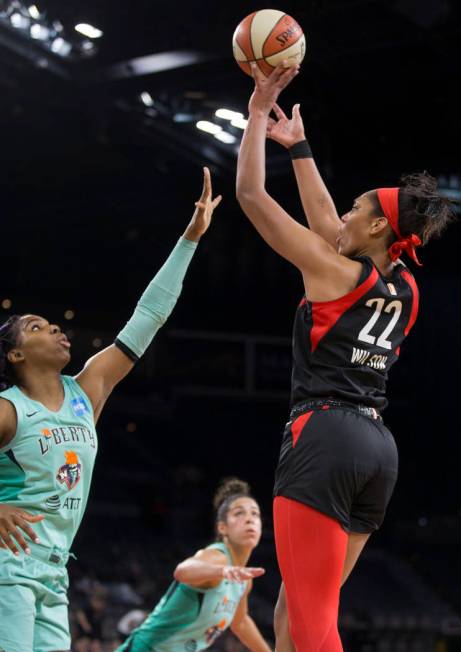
pixel 35 327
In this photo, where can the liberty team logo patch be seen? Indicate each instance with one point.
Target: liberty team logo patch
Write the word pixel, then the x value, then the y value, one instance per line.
pixel 71 471
pixel 79 406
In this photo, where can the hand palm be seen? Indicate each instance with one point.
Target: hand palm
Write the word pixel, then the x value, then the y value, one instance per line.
pixel 286 131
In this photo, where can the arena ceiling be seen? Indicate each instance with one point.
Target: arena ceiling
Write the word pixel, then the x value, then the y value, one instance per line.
pixel 97 166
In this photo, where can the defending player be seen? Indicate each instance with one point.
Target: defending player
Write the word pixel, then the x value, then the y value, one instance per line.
pixel 338 462
pixel 48 445
pixel 210 591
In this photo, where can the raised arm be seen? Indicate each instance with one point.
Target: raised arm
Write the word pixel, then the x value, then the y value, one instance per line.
pixel 318 205
pixel 107 368
pixel 327 274
pixel 209 567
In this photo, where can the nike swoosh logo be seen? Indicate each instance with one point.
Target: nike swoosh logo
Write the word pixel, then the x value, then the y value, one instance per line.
pixel 31 414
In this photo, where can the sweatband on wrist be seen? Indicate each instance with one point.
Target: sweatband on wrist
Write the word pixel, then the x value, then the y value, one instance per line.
pixel 300 150
pixel 157 302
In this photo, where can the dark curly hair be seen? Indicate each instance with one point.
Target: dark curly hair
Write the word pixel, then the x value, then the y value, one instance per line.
pixel 422 210
pixel 229 490
pixel 9 332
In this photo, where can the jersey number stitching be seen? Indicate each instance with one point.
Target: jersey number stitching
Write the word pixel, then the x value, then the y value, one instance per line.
pixel 394 306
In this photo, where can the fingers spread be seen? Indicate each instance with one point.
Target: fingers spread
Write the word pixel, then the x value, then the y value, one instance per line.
pixel 278 112
pixel 216 201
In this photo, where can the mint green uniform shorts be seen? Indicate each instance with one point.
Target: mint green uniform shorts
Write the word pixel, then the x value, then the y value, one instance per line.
pixel 33 601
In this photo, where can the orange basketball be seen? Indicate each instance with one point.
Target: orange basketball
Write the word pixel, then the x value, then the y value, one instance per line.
pixel 268 37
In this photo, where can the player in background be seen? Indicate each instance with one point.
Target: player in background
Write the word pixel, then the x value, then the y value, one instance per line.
pixel 48 445
pixel 210 590
pixel 338 461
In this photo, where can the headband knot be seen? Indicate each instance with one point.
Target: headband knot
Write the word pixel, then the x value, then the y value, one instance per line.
pixel 389 200
pixel 407 245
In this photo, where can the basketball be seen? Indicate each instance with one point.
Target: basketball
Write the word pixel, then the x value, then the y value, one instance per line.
pixel 267 37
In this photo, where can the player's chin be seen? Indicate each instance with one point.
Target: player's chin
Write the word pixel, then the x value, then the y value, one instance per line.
pixel 63 358
pixel 251 538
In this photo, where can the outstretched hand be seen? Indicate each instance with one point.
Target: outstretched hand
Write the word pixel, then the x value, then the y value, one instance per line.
pixel 204 208
pixel 286 131
pixel 267 89
pixel 241 573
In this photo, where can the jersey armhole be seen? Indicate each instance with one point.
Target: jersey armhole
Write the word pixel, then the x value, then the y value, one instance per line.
pixel 10 443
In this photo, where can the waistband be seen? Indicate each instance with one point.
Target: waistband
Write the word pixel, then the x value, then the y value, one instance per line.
pixel 326 403
pixel 54 555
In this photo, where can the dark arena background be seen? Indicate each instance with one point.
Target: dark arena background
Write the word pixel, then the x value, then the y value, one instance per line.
pixel 101 165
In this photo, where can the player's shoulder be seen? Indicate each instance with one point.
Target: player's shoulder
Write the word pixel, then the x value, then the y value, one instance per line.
pixel 213 554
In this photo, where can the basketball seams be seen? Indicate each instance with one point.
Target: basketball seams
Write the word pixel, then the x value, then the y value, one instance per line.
pixel 270 34
pixel 269 56
pixel 249 40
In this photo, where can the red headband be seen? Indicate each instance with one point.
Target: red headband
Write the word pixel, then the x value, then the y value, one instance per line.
pixel 389 200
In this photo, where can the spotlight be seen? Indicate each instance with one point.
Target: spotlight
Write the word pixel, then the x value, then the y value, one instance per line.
pixel 34 12
pixel 61 47
pixel 209 127
pixel 239 122
pixel 19 21
pixel 146 98
pixel 225 137
pixel 227 114
pixel 88 30
pixel 39 32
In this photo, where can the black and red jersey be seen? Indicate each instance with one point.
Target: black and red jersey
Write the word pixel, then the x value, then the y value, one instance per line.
pixel 344 348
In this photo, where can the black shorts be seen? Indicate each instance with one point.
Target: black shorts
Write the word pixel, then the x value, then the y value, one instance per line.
pixel 341 463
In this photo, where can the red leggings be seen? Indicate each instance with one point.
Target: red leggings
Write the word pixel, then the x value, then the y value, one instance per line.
pixel 311 549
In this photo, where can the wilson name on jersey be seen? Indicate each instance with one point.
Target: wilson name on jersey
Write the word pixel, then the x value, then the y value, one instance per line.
pixel 344 348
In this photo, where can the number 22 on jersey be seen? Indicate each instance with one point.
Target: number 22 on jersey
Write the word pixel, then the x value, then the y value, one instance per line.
pixel 394 308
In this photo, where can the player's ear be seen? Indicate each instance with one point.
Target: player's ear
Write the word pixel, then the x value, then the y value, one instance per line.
pixel 378 225
pixel 15 355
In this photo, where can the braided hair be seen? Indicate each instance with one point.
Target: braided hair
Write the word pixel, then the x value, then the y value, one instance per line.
pixel 229 490
pixel 9 332
pixel 422 210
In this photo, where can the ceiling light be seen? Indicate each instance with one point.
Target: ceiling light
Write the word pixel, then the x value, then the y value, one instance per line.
pixel 19 21
pixel 39 32
pixel 146 98
pixel 227 114
pixel 225 137
pixel 61 47
pixel 241 123
pixel 88 30
pixel 34 12
pixel 209 127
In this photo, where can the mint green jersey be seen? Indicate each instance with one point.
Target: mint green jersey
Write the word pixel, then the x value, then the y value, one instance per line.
pixel 47 467
pixel 188 619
